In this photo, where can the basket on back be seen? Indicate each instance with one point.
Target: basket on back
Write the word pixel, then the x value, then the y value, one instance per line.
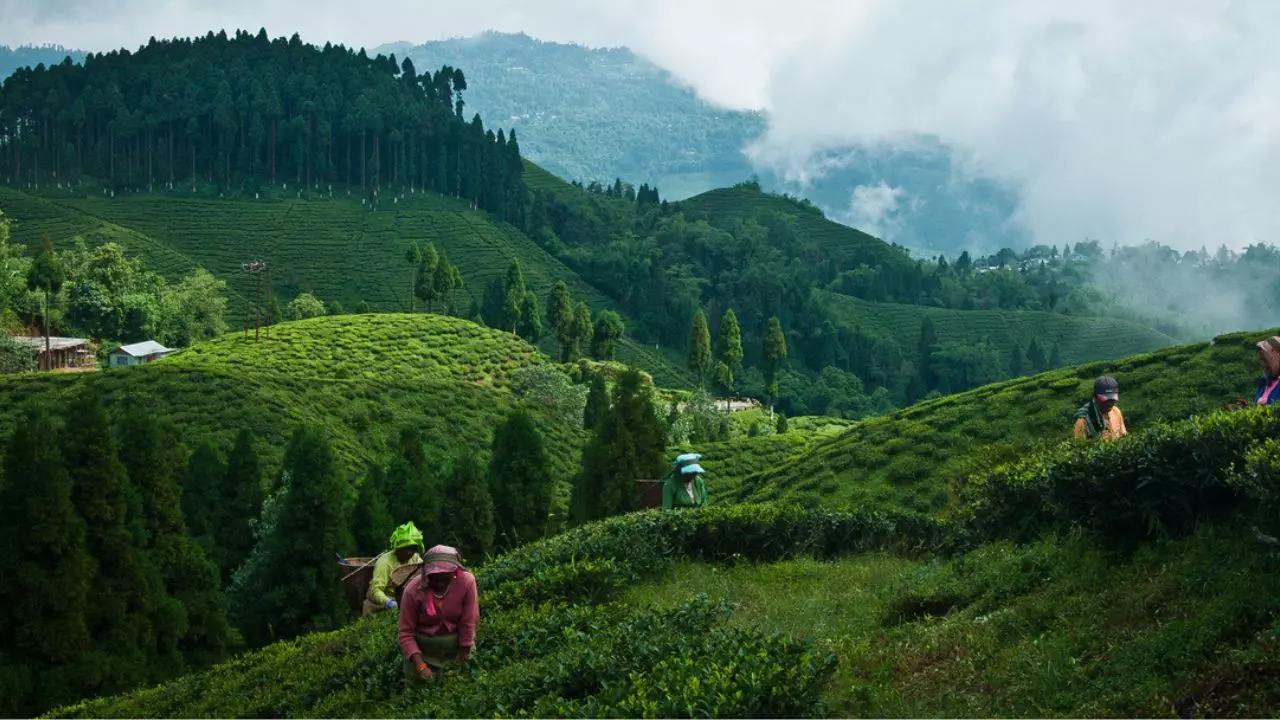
pixel 401 577
pixel 357 573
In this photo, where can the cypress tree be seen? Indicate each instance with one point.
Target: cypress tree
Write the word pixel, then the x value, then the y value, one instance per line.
pixel 560 318
pixel 200 493
pixel 468 523
pixel 413 256
pixel 447 279
pixel 513 297
pixel 627 445
pixel 608 330
pixel 191 620
pixel 492 307
pixel 730 344
pixel 775 353
pixel 597 402
pixel 581 330
pixel 290 584
pixel 372 522
pixel 412 491
pixel 700 347
pixel 520 480
pixel 1016 362
pixel 125 586
pixel 529 324
pixel 1035 356
pixel 240 498
pixel 425 284
pixel 1055 357
pixel 45 576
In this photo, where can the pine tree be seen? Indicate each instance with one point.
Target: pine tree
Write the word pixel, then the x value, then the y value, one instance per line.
pixel 775 354
pixel 1016 361
pixel 46 275
pixel 468 525
pixel 514 292
pixel 413 256
pixel 1035 356
pixel 125 585
pixel 372 522
pixel 191 620
pixel 520 481
pixel 597 402
pixel 42 541
pixel 782 423
pixel 608 331
pixel 582 330
pixel 700 347
pixel 627 445
pixel 240 497
pixel 1055 357
pixel 290 584
pixel 560 318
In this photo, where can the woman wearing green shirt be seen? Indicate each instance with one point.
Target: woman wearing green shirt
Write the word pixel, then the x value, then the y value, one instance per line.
pixel 683 486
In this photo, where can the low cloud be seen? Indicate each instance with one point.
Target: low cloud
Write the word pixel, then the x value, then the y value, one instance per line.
pixel 877 209
pixel 1122 120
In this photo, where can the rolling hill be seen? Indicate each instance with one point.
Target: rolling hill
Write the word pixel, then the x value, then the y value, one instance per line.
pixel 337 248
pixel 1038 593
pixel 362 377
pixel 1079 339
pixel 910 458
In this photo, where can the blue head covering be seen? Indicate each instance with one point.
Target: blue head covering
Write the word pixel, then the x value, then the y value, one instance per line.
pixel 692 469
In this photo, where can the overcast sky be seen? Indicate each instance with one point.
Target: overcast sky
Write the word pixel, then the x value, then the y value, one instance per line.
pixel 1119 120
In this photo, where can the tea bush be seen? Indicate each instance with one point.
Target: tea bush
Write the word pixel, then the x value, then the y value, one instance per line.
pixel 1163 479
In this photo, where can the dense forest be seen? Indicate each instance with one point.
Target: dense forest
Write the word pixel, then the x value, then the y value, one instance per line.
pixel 247 111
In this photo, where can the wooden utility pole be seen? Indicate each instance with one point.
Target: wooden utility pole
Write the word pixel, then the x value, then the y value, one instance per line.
pixel 257 267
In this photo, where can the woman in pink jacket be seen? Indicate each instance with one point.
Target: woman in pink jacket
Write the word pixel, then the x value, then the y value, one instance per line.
pixel 438 614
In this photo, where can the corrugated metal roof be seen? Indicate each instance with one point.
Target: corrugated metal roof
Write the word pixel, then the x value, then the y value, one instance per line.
pixel 55 343
pixel 142 349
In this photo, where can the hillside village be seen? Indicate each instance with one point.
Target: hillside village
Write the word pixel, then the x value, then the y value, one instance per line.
pixel 715 456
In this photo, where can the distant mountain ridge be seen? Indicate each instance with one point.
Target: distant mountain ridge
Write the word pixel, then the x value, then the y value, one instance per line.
pixel 596 114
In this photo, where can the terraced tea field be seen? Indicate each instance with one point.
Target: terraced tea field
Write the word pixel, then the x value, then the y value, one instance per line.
pixel 363 377
pixel 906 459
pixel 1079 339
pixel 334 248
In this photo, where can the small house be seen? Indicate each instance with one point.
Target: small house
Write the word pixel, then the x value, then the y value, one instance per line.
pixel 137 353
pixel 63 353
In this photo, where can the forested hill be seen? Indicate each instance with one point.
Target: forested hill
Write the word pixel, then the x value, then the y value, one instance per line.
pixel 12 58
pixel 596 114
pixel 246 111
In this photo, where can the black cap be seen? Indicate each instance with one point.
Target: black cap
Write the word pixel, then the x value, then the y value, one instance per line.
pixel 1107 387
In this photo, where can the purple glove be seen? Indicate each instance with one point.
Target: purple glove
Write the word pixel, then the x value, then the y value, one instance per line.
pixel 391 603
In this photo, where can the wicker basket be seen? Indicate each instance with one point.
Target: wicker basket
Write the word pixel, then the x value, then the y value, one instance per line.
pixel 401 577
pixel 357 573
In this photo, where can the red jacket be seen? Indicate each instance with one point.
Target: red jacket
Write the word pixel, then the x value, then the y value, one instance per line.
pixel 457 612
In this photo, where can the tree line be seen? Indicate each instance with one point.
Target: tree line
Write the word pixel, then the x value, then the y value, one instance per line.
pixel 246 111
pixel 99 292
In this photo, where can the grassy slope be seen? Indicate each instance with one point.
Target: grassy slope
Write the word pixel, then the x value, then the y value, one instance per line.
pixel 1080 339
pixel 364 377
pixel 334 248
pixel 907 458
pixel 1047 629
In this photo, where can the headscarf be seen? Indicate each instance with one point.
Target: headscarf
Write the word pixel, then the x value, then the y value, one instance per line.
pixel 1270 349
pixel 440 559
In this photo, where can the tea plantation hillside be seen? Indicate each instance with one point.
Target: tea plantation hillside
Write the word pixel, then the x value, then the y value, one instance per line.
pixel 907 459
pixel 1066 583
pixel 335 248
pixel 1079 339
pixel 826 240
pixel 363 377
